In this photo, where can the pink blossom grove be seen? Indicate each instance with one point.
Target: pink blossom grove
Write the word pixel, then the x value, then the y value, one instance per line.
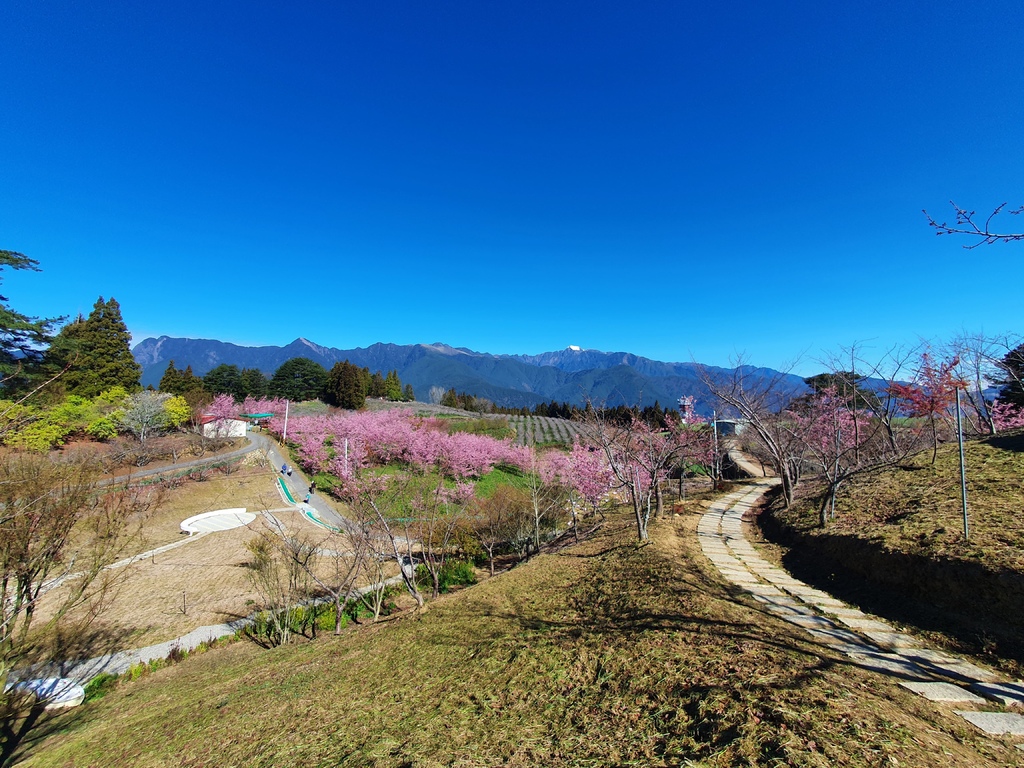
pixel 341 443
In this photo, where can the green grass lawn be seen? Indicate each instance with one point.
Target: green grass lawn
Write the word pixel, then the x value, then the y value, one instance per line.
pixel 603 653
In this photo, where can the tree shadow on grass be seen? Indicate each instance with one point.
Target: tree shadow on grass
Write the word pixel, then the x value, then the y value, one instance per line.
pixel 24 720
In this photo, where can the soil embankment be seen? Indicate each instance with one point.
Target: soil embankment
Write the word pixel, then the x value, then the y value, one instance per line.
pixel 975 606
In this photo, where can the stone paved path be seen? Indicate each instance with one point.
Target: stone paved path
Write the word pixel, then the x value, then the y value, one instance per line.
pixel 867 641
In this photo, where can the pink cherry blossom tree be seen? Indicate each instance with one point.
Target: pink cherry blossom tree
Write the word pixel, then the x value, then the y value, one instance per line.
pixel 1006 415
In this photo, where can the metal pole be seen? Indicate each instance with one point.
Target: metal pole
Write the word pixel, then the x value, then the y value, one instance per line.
pixel 714 426
pixel 835 468
pixel 963 472
pixel 284 438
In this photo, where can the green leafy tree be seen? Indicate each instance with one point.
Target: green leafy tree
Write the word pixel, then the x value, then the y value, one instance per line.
pixel 225 380
pixel 298 379
pixel 97 352
pixel 23 339
pixel 252 383
pixel 407 394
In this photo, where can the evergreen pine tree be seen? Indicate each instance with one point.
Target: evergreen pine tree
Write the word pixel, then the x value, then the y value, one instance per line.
pixel 407 394
pixel 345 386
pixel 1013 367
pixel 98 352
pixel 392 386
pixel 225 380
pixel 171 380
pixel 252 383
pixel 377 385
pixel 190 381
pixel 22 338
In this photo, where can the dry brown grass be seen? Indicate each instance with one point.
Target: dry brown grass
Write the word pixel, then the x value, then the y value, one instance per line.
pixel 604 653
pixel 252 488
pixel 204 581
pixel 916 508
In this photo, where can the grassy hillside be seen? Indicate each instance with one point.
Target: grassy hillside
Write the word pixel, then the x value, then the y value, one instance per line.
pixel 599 654
pixel 916 508
pixel 897 546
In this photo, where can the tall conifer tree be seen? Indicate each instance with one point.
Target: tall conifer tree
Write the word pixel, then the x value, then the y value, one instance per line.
pixel 98 350
pixel 171 380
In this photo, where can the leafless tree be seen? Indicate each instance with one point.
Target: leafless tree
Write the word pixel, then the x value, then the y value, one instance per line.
pixel 981 364
pixel 333 561
pixel 965 224
pixel 497 519
pixel 383 505
pixel 759 400
pixel 278 572
pixel 57 534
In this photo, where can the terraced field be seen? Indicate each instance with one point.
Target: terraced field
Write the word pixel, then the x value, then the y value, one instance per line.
pixel 537 430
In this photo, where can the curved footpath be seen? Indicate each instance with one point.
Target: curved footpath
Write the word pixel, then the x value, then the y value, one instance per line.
pixel 868 642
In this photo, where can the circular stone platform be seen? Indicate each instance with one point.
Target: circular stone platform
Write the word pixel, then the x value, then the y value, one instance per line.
pixel 219 520
pixel 57 692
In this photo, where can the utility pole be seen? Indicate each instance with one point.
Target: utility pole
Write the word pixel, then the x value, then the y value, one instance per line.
pixel 284 437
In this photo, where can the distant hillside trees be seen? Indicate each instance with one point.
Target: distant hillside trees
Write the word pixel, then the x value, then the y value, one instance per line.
pixel 468 402
pixel 229 380
pixel 348 386
pixel 177 382
pixel 96 351
pixel 653 415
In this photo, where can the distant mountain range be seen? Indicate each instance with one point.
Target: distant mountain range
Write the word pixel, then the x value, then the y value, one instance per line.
pixel 572 375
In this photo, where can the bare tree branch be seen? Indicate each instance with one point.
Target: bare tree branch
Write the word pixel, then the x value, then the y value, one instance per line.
pixel 966 225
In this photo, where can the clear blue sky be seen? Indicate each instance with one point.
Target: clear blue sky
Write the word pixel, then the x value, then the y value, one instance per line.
pixel 675 179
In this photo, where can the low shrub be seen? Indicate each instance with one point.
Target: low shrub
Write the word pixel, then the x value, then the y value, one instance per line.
pixel 100 686
pixel 456 573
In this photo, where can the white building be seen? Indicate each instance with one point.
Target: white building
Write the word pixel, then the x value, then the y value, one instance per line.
pixel 213 426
